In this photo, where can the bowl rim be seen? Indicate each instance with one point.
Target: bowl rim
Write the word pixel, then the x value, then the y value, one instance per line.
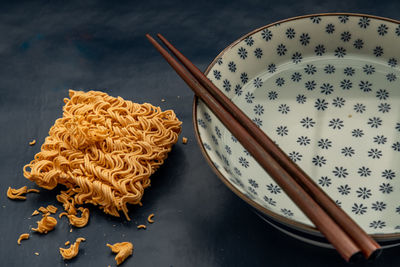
pixel 249 201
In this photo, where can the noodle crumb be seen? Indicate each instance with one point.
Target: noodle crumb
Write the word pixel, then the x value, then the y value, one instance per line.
pixel 72 251
pixel 33 142
pixel 141 226
pixel 22 237
pixel 67 243
pixel 123 250
pixel 150 218
pixel 35 212
pixel 184 140
pixel 37 253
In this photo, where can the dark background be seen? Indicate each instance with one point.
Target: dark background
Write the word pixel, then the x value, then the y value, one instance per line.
pixel 50 46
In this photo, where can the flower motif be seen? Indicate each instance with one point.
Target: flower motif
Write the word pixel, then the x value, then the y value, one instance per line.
pixel 232 66
pixel 266 35
pixel 336 124
pixel 238 90
pixel 237 181
pixel 218 132
pixel 234 139
pixel 368 69
pixel 343 19
pixel 249 41
pixel 258 53
pixel 290 33
pixel 392 62
pixel 330 28
pixel 295 156
pixel 382 94
pixel 364 171
pixel 384 107
pixel 282 130
pixel 382 29
pixel 391 77
pixel 217 74
pixel 237 171
pixel 380 139
pixel 378 51
pixel 349 71
pixel 287 212
pixel 207 146
pixel 388 174
pixel 310 69
pixel 301 99
pixel 249 97
pixel 219 61
pixel 378 206
pixel 344 190
pixel 398 209
pixel 338 102
pixel 364 22
pixel 274 189
pixel 326 88
pixel 358 44
pixel 271 68
pixel 242 52
pixel 398 126
pixel 325 181
pixel 257 121
pixel 386 188
pixel 253 183
pixel 310 85
pixel 374 153
pixel 281 50
pixel 272 95
pixel 296 77
pixel 398 30
pixel 359 108
pixel 338 203
pixel 303 140
pixel 284 109
pixel 280 81
pixel 307 122
pixel 269 201
pixel 319 50
pixel 329 69
pixel 226 161
pixel 305 39
pixel 324 143
pixel 258 109
pixel 374 122
pixel 244 77
pixel 345 36
pixel 365 86
pixel 316 20
pixel 297 57
pixel 228 149
pixel 396 146
pixel 377 224
pixel 257 82
pixel 243 162
pixel 346 84
pixel 215 142
pixel 340 172
pixel 207 116
pixel 348 151
pixel 202 123
pixel 318 161
pixel 321 104
pixel 363 192
pixel 357 133
pixel 340 52
pixel 227 85
pixel 359 209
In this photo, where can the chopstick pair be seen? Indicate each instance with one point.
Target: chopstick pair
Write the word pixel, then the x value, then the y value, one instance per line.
pixel 339 229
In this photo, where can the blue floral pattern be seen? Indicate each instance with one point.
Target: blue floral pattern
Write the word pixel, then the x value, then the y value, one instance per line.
pixel 337 118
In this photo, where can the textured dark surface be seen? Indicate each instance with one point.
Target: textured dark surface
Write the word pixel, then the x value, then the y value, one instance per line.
pixel 47 48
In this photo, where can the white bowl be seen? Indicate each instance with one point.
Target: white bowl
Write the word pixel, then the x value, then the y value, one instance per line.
pixel 326 89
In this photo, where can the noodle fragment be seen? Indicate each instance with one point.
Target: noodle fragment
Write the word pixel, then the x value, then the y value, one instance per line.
pixel 72 251
pixel 75 220
pixel 33 142
pixel 123 250
pixel 35 212
pixel 46 224
pixel 51 209
pixel 184 140
pixel 150 218
pixel 104 150
pixel 22 237
pixel 67 243
pixel 20 192
pixel 141 226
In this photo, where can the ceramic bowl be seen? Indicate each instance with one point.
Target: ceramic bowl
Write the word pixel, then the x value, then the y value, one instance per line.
pixel 326 89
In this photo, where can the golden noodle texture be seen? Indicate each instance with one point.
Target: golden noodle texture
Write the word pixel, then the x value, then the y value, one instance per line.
pixel 75 220
pixel 19 193
pixel 45 225
pixel 22 237
pixel 104 149
pixel 72 251
pixel 123 250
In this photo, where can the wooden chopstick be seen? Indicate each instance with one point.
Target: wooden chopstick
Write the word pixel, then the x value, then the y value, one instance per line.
pixel 368 246
pixel 327 226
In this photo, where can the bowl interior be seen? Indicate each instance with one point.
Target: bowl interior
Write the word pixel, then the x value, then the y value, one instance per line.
pixel 326 90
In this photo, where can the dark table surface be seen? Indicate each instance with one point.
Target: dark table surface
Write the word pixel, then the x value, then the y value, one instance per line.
pixel 48 47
